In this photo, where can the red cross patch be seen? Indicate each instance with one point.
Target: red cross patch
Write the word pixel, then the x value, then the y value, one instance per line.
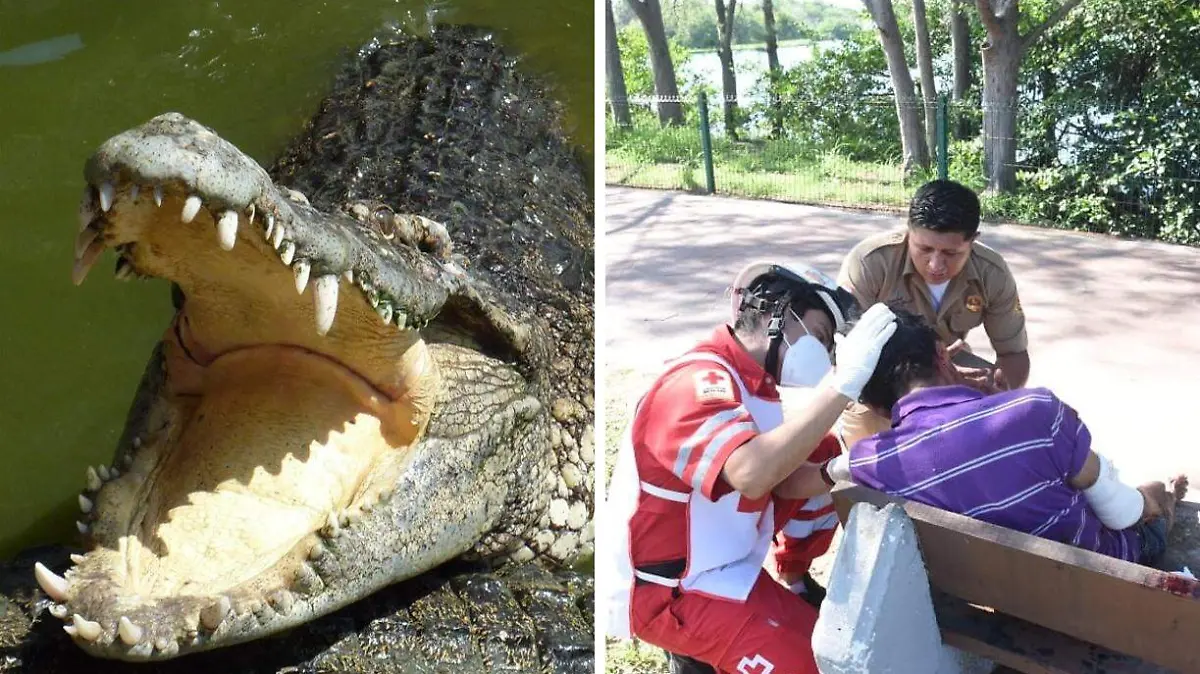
pixel 713 386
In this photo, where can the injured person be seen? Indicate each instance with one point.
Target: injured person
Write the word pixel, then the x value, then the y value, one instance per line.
pixel 1020 459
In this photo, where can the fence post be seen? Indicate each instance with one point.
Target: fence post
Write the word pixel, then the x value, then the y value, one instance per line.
pixel 943 133
pixel 706 145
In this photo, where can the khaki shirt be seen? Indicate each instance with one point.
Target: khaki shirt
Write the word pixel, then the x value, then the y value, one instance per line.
pixel 879 270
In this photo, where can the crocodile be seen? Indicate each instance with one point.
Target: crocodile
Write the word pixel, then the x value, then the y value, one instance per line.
pixel 380 360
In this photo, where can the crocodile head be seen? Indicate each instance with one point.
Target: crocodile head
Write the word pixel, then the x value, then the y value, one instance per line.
pixel 341 400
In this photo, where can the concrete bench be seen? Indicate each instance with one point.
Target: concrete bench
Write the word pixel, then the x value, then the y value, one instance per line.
pixel 1035 605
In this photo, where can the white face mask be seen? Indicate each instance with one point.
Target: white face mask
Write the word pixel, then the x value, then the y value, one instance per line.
pixel 805 362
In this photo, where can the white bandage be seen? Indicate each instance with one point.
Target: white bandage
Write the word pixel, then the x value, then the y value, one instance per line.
pixel 1118 505
pixel 839 468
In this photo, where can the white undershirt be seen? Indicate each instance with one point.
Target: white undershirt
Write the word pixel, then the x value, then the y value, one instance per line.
pixel 938 291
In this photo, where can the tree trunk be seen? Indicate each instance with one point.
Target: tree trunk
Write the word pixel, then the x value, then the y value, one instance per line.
pixel 916 152
pixel 773 68
pixel 612 68
pixel 725 15
pixel 960 46
pixel 1001 61
pixel 1002 54
pixel 649 13
pixel 925 65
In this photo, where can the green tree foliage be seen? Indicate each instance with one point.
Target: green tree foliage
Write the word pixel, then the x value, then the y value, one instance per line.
pixel 840 100
pixel 635 61
pixel 1113 121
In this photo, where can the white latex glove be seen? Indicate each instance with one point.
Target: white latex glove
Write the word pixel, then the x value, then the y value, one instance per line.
pixel 858 352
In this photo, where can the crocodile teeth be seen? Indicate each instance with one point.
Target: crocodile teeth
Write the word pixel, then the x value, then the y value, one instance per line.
pixel 83 528
pixel 77 558
pixel 167 647
pixel 281 601
pixel 85 504
pixel 58 611
pixel 270 226
pixel 87 212
pixel 227 228
pixel 103 471
pixel 401 319
pixel 288 253
pixel 106 196
pixel 88 629
pixel 70 629
pixel 301 268
pixel 129 633
pixel 277 236
pixel 385 312
pixel 133 192
pixel 93 479
pixel 158 195
pixel 316 551
pixel 331 523
pixel 190 208
pixel 54 585
pixel 84 262
pixel 349 275
pixel 325 301
pixel 214 614
pixel 142 650
pixel 85 240
pixel 250 213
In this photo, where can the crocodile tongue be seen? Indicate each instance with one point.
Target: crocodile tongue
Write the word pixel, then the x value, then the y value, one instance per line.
pixel 279 441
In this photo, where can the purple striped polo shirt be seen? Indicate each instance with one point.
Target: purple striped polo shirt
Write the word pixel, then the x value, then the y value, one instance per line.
pixel 1003 458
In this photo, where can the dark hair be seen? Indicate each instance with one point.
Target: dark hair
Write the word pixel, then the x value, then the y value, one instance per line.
pixel 909 356
pixel 945 206
pixel 803 298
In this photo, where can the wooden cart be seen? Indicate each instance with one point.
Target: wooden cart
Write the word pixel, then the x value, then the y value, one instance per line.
pixel 1038 606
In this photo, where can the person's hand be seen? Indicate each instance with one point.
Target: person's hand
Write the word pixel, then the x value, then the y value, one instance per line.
pixel 957 347
pixel 982 379
pixel 858 352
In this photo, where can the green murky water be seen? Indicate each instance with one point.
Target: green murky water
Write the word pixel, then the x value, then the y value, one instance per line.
pixel 74 73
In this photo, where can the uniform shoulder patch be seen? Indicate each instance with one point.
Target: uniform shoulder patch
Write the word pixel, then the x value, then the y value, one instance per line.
pixel 713 385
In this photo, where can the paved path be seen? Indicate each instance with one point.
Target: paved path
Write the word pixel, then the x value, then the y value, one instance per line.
pixel 1114 326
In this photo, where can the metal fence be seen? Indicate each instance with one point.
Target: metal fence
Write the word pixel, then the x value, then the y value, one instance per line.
pixel 819 153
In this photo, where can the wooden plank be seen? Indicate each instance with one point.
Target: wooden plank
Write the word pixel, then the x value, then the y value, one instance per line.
pixel 1126 607
pixel 1026 647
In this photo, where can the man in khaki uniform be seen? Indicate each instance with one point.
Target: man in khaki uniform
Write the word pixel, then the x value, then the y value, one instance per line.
pixel 935 267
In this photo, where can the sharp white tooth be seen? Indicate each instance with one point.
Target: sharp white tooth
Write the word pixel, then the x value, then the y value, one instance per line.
pixel 114 473
pixel 288 253
pixel 190 208
pixel 227 230
pixel 93 479
pixel 77 558
pixel 84 241
pixel 133 192
pixel 58 611
pixel 349 275
pixel 301 269
pixel 129 633
pixel 87 211
pixel 54 585
pixel 325 298
pixel 88 629
pixel 124 270
pixel 103 471
pixel 106 196
pixel 277 236
pixel 401 319
pixel 158 195
pixel 331 522
pixel 270 226
pixel 137 441
pixel 250 213
pixel 385 312
pixel 70 629
pixel 83 528
pixel 83 264
pixel 85 504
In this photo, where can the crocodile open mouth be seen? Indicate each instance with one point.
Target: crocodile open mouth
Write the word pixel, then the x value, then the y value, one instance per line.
pixel 292 387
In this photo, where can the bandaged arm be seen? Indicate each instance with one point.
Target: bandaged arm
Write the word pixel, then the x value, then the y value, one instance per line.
pixel 1118 505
